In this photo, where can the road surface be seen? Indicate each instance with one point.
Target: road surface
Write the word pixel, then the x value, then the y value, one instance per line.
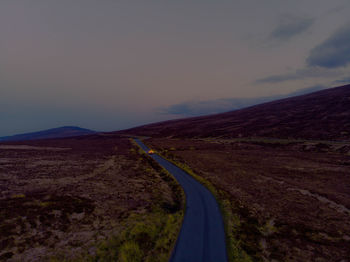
pixel 202 236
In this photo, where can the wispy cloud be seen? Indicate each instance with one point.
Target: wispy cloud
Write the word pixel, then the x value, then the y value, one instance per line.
pixel 291 27
pixel 345 80
pixel 334 52
pixel 197 108
pixel 308 72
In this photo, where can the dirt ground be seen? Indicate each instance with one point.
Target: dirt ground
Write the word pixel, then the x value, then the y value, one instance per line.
pixel 64 196
pixel 291 198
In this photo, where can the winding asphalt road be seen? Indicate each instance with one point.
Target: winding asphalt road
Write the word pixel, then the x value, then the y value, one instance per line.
pixel 202 236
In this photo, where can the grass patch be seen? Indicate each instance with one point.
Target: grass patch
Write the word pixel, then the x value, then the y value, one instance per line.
pixel 148 237
pixel 130 251
pixel 18 196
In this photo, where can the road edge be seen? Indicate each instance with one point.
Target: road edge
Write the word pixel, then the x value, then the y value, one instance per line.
pixel 233 250
pixel 183 195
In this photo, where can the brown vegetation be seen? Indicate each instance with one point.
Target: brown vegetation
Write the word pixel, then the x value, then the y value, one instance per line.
pixel 83 198
pixel 290 200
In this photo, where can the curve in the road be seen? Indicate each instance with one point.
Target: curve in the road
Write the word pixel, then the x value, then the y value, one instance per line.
pixel 202 235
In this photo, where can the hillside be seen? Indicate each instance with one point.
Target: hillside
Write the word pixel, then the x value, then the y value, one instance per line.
pixel 60 132
pixel 320 115
pixel 261 178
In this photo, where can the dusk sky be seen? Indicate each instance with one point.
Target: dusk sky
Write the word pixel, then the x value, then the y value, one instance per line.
pixel 110 64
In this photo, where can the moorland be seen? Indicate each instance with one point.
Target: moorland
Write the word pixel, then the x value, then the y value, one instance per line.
pixel 90 198
pixel 280 172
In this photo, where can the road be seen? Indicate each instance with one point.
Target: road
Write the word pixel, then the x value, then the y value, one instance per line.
pixel 202 235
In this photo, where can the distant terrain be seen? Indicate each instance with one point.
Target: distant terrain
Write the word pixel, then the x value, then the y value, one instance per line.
pixel 60 132
pixel 320 115
pixel 281 171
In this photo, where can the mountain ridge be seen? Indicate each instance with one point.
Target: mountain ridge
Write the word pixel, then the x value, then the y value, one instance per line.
pixel 59 132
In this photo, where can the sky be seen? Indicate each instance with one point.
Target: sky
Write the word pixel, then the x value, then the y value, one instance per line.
pixel 109 65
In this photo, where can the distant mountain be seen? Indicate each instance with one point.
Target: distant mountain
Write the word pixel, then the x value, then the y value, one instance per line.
pixel 60 132
pixel 320 115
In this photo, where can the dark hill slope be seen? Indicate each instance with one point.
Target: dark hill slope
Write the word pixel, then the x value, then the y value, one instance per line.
pixel 60 132
pixel 321 115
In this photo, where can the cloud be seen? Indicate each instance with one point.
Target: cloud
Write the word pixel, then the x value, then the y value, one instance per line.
pixel 305 91
pixel 324 61
pixel 308 72
pixel 345 80
pixel 291 27
pixel 197 108
pixel 334 52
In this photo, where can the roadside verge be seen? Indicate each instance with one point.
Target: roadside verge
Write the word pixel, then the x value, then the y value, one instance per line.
pixel 231 220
